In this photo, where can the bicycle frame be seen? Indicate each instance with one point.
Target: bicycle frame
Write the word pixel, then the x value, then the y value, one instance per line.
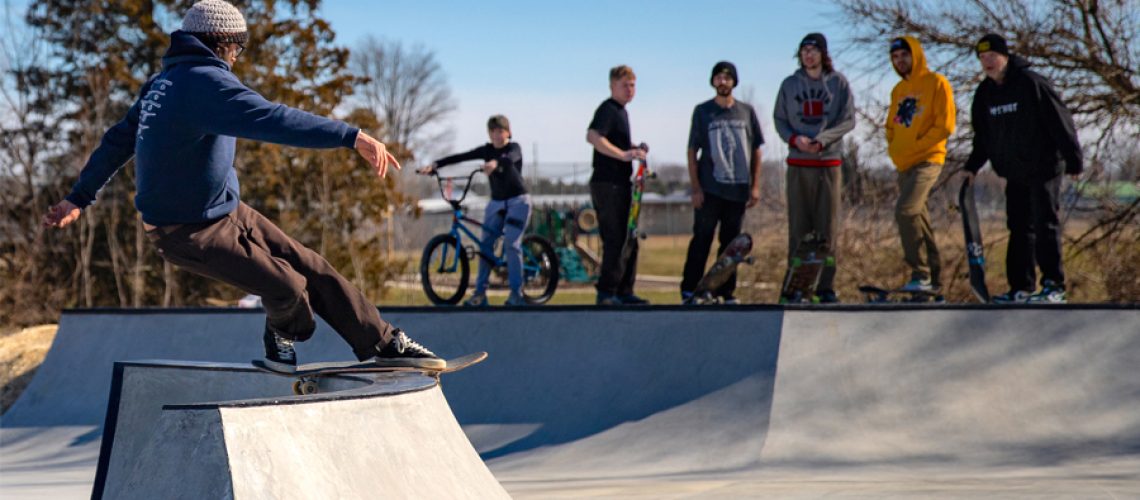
pixel 459 219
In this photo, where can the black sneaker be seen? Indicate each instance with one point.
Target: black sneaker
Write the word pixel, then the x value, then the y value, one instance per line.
pixel 631 300
pixel 279 353
pixel 403 351
pixel 827 297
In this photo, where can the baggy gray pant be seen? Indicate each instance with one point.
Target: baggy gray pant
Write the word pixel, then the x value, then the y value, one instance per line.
pixel 246 250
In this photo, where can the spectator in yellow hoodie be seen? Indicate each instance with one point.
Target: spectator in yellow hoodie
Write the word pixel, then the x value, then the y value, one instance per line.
pixel 921 118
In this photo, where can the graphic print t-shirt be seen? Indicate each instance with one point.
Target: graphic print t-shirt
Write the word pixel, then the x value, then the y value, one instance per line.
pixel 725 139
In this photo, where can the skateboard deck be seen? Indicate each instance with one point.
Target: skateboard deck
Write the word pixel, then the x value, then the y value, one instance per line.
pixel 735 253
pixel 975 252
pixel 633 232
pixel 811 257
pixel 307 374
pixel 877 295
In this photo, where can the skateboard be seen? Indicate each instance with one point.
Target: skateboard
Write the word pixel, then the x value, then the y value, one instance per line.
pixel 876 295
pixel 307 375
pixel 736 252
pixel 975 252
pixel 812 255
pixel 631 239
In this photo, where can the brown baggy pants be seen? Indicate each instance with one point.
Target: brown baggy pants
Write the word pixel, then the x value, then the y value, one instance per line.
pixel 913 220
pixel 246 250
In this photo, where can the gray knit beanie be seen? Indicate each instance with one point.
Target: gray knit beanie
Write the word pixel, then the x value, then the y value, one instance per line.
pixel 216 21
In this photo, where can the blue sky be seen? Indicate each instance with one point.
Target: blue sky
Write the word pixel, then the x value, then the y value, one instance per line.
pixel 544 64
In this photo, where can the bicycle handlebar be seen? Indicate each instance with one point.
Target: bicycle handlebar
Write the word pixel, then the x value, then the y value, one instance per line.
pixel 466 187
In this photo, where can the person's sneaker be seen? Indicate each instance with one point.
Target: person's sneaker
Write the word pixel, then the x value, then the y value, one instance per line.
pixel 688 299
pixel 730 301
pixel 1011 297
pixel 516 300
pixel 632 300
pixel 1051 293
pixel 477 300
pixel 827 297
pixel 279 353
pixel 606 299
pixel 917 285
pixel 403 351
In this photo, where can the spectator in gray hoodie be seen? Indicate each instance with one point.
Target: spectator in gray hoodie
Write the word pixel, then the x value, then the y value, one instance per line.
pixel 814 110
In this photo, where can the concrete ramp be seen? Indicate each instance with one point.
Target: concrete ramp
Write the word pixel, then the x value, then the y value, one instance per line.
pixel 663 402
pixel 393 437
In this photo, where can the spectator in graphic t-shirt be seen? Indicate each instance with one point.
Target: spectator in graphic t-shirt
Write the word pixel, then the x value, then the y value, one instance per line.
pixel 725 179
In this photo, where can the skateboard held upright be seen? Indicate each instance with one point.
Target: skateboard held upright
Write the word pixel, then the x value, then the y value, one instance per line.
pixel 634 234
pixel 723 269
pixel 812 255
pixel 975 252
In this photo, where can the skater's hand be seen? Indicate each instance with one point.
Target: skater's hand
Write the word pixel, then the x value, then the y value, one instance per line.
pixel 375 153
pixel 815 147
pixel 633 154
pixel 698 198
pixel 61 214
pixel 969 175
pixel 803 143
pixel 426 169
pixel 490 166
pixel 753 197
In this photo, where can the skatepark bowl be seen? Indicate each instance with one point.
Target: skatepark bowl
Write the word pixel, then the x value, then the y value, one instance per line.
pixel 848 401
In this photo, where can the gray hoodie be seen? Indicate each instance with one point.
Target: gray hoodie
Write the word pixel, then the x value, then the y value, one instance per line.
pixel 823 110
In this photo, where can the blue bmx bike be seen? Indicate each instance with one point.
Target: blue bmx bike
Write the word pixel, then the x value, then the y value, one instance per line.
pixel 445 267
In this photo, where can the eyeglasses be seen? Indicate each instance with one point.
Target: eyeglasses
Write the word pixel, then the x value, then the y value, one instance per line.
pixel 240 49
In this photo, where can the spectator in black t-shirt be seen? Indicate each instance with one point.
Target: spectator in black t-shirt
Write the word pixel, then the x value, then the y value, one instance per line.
pixel 610 188
pixel 508 211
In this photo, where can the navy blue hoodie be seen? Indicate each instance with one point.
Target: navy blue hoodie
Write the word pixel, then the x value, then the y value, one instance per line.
pixel 182 131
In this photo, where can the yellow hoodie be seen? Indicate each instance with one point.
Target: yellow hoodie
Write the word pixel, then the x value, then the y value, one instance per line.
pixel 922 114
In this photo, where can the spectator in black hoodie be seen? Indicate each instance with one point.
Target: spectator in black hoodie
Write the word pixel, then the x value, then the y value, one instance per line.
pixel 1027 134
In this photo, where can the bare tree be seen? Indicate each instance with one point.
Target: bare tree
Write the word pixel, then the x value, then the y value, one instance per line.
pixel 406 89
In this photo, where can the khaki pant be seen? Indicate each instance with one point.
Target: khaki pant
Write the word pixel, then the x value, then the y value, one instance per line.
pixel 246 250
pixel 914 222
pixel 814 199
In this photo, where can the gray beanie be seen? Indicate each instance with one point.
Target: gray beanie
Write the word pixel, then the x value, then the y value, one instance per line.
pixel 216 21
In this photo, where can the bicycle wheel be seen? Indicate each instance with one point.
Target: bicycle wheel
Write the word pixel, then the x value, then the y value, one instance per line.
pixel 444 270
pixel 540 269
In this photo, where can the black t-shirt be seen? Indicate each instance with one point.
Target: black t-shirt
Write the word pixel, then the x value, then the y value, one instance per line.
pixel 506 180
pixel 612 122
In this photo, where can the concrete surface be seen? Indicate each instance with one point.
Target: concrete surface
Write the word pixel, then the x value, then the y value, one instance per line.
pixel 666 402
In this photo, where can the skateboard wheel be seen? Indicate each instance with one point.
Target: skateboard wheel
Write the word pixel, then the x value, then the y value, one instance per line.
pixel 308 387
pixel 297 387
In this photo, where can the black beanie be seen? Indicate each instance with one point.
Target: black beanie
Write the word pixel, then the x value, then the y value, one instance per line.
pixel 725 67
pixel 900 43
pixel 992 42
pixel 816 40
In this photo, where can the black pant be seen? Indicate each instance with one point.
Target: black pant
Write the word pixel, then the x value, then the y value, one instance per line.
pixel 730 215
pixel 612 201
pixel 246 250
pixel 1034 233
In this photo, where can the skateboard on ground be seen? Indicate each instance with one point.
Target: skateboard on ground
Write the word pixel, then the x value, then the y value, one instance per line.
pixel 722 270
pixel 307 375
pixel 975 252
pixel 812 255
pixel 634 234
pixel 877 295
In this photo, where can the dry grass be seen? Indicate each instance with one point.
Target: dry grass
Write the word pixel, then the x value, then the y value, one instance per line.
pixel 21 353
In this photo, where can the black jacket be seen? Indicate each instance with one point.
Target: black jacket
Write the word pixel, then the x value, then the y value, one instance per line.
pixel 1023 128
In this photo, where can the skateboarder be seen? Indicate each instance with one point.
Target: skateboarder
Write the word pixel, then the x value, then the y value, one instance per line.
pixel 181 132
pixel 921 119
pixel 814 110
pixel 726 178
pixel 1024 130
pixel 611 189
pixel 507 213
